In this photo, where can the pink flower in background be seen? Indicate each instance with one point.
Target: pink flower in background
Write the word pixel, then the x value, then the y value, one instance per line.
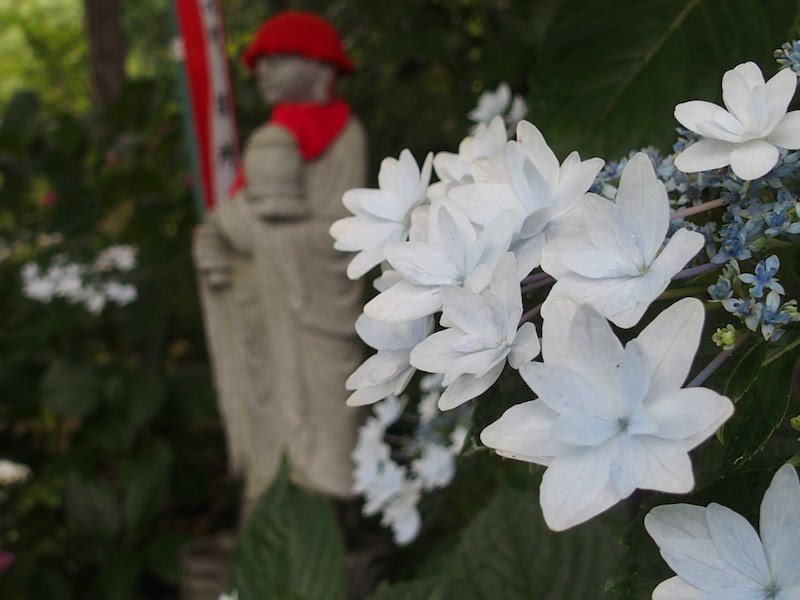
pixel 48 198
pixel 6 560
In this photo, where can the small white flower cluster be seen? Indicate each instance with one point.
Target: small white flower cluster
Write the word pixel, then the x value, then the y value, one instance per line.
pixel 392 489
pixel 12 473
pixel 86 284
pixel 499 103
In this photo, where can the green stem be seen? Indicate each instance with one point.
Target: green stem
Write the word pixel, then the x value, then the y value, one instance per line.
pixel 682 292
pixel 784 350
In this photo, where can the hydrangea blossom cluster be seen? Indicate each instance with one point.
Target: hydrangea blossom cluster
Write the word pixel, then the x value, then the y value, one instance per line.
pixel 392 476
pixel 91 285
pixel 12 473
pixel 585 245
pixel 499 103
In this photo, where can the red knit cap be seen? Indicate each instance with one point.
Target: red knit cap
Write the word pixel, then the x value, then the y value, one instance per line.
pixel 298 32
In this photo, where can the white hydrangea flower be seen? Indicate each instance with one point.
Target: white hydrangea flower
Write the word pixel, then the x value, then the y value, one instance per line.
pixel 119 257
pixel 388 371
pixel 529 182
pixel 717 554
pixel 615 262
pixel 12 473
pixel 402 515
pixel 482 332
pixel 435 466
pixel 491 104
pixel 748 134
pixel 485 141
pixel 454 255
pixel 383 215
pixel 608 419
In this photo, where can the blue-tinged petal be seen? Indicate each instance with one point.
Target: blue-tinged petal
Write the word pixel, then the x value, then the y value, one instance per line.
pixel 471 313
pixel 738 544
pixel 669 468
pixel 705 155
pixel 691 415
pixel 545 160
pixel 780 525
pixel 524 432
pixel 575 483
pixel 402 302
pixel 677 589
pixel 436 354
pixel 565 390
pixel 595 352
pixel 670 342
pixel 467 387
pixel 699 563
pixel 584 429
pixel 669 523
pixel 644 198
pixel 628 465
pixel 557 313
pixel 786 133
pixel 525 346
pixel 754 159
pixel 610 297
pixel 422 264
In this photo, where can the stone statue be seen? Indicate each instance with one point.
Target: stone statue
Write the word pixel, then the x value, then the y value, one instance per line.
pixel 278 307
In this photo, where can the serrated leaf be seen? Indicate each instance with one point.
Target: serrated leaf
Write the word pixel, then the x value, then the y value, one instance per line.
pixel 290 548
pixel 70 389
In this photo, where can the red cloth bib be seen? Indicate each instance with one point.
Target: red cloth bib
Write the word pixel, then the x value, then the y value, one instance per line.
pixel 313 126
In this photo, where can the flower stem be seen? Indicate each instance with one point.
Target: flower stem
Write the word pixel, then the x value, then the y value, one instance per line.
pixel 531 313
pixel 720 358
pixel 694 271
pixel 535 285
pixel 694 210
pixel 534 277
pixel 682 292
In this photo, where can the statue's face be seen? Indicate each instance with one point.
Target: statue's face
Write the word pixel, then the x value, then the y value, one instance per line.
pixel 292 78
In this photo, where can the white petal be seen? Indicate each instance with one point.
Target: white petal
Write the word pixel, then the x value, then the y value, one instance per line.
pixel 754 159
pixel 470 312
pixel 374 393
pixel 705 155
pixel 402 302
pixel 779 91
pixel 524 432
pixel 610 297
pixel 699 563
pixel 736 93
pixel 677 589
pixel 382 336
pixel 525 346
pixel 691 415
pixel 669 523
pixel 435 354
pixel 787 132
pixel 574 483
pixel 422 264
pixel 670 342
pixel 565 390
pixel 669 468
pixel 378 368
pixel 557 312
pixel 691 114
pixel 594 350
pixel 467 387
pixel 628 466
pixel 644 197
pixel 780 524
pixel 738 544
pixel 574 181
pixel 358 233
pixel 681 248
pixel 583 429
pixel 533 140
pixel 484 202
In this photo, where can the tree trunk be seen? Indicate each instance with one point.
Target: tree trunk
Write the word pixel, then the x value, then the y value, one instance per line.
pixel 106 50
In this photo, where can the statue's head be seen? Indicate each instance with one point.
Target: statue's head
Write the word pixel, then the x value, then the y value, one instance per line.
pixel 296 57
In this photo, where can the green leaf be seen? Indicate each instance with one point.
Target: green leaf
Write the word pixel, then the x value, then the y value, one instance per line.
pixel 508 552
pixel 146 485
pixel 70 389
pixel 290 548
pixel 92 507
pixel 611 73
pixel 119 574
